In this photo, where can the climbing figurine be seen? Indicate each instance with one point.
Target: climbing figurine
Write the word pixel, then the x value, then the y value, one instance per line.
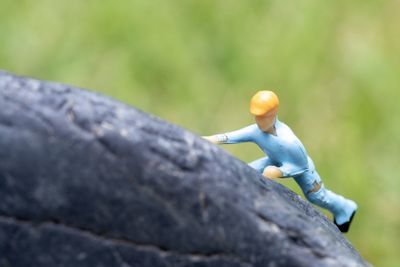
pixel 286 157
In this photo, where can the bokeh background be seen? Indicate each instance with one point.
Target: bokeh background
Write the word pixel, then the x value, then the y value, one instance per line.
pixel 334 64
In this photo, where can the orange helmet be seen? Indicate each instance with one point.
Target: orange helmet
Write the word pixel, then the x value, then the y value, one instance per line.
pixel 263 102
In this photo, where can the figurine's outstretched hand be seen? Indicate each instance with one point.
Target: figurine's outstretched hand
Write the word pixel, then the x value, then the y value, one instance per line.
pixel 272 172
pixel 212 138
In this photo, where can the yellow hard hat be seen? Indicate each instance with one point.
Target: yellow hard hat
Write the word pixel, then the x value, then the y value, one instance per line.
pixel 263 102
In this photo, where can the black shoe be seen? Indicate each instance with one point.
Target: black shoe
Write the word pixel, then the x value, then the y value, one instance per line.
pixel 344 228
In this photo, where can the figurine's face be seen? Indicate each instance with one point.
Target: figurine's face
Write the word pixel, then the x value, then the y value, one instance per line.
pixel 266 122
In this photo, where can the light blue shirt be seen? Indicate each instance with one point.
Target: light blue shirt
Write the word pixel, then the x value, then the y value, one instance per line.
pixel 286 152
pixel 283 150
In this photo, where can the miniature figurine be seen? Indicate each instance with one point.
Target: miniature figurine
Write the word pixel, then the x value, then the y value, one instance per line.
pixel 286 157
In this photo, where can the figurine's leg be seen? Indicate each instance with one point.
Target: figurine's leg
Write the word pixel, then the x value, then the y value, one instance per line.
pixel 260 164
pixel 342 209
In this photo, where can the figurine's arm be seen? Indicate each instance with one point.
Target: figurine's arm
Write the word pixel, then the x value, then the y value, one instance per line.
pixel 284 171
pixel 292 164
pixel 239 136
pixel 272 172
pixel 290 170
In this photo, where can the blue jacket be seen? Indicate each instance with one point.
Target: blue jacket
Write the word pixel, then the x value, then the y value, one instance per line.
pixel 284 150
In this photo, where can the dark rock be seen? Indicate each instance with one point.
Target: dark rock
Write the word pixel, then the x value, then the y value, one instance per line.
pixel 88 181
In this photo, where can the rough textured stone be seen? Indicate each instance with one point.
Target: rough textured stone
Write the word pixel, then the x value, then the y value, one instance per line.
pixel 88 181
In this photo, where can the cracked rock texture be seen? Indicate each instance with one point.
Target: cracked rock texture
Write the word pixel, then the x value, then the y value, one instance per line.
pixel 88 181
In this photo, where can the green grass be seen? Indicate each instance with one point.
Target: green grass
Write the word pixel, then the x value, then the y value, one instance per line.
pixel 335 66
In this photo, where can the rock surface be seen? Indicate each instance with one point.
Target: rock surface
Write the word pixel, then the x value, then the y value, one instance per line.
pixel 88 181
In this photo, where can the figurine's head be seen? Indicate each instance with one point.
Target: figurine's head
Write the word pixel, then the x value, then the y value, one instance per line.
pixel 264 106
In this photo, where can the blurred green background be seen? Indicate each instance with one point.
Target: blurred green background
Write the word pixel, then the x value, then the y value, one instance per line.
pixel 334 64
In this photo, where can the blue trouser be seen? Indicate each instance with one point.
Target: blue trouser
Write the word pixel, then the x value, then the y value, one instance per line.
pixel 315 191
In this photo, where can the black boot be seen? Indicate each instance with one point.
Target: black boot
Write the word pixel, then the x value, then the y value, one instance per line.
pixel 344 228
